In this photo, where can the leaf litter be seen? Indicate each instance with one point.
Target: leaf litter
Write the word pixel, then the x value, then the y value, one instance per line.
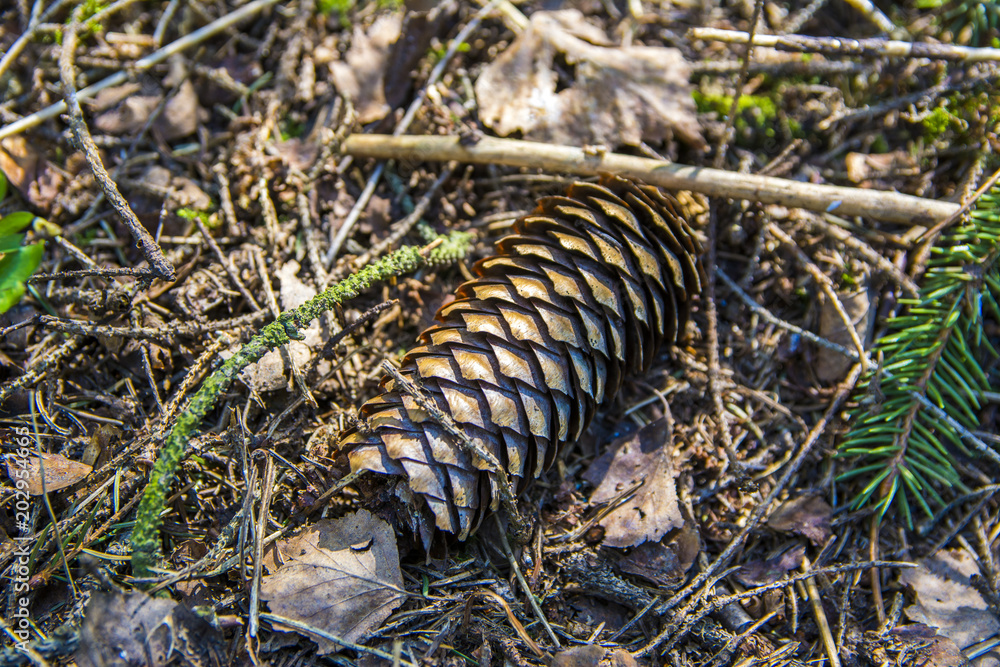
pixel 617 94
pixel 554 66
pixel 339 575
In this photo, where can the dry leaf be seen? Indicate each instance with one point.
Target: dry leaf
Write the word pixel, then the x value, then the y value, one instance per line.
pixel 135 629
pixel 58 472
pixel 644 457
pixel 587 655
pixel 862 167
pixel 945 600
pixel 618 95
pixel 808 516
pixel 763 572
pixel 181 115
pixel 360 76
pixel 832 366
pixel 340 575
pixel 128 117
pixel 663 564
pixel 38 180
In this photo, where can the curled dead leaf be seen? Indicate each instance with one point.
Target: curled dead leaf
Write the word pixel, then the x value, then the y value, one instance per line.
pixel 52 472
pixel 618 95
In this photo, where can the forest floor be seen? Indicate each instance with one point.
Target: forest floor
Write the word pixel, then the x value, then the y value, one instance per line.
pixel 764 495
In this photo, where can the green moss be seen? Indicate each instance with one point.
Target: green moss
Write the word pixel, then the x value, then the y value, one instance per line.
pixel 757 116
pixel 938 121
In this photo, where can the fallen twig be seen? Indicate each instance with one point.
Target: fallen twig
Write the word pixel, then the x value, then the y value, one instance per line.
pixel 854 48
pixel 873 204
pixel 67 72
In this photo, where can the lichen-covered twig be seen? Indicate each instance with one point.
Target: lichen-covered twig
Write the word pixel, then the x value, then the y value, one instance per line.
pixel 145 537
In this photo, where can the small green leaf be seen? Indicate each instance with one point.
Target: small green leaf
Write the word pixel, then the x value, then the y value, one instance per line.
pixel 3 186
pixel 15 222
pixel 11 243
pixel 15 268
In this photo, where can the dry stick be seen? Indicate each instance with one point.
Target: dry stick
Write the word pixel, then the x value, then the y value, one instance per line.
pixel 404 124
pixel 165 335
pixel 140 65
pixel 532 600
pixel 816 602
pixel 873 14
pixel 827 286
pixel 712 311
pixel 150 250
pixel 866 251
pixel 872 204
pixel 855 48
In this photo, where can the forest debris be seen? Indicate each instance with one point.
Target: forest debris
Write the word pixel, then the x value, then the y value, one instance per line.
pixel 904 643
pixel 340 575
pixel 808 516
pixel 830 366
pixel 641 458
pixel 946 600
pixel 862 168
pixel 135 629
pixel 586 655
pixel 763 572
pixel 56 471
pixel 179 118
pixel 360 75
pixel 39 181
pixel 663 564
pixel 618 95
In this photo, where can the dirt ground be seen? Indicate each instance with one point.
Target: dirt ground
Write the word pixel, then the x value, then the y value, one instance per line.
pixel 764 495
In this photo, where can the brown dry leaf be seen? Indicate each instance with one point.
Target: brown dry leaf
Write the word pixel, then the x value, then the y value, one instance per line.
pixel 618 95
pixel 808 516
pixel 135 629
pixel 644 457
pixel 38 180
pixel 587 655
pixel 181 115
pixel 340 575
pixel 663 564
pixel 58 472
pixel 128 117
pixel 763 572
pixel 945 600
pixel 360 76
pixel 862 167
pixel 832 366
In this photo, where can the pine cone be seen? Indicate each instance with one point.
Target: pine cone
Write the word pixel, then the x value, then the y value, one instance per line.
pixel 585 292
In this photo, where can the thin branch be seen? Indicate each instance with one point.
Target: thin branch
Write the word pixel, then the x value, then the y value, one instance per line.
pixel 852 48
pixel 67 72
pixel 872 204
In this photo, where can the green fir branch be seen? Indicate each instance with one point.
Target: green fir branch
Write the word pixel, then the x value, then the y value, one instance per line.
pixel 903 453
pixel 146 534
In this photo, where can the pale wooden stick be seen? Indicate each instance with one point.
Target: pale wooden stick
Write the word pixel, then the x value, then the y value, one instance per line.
pixel 872 204
pixel 868 48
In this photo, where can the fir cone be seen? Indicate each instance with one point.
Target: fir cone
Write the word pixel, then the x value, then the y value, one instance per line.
pixel 584 293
